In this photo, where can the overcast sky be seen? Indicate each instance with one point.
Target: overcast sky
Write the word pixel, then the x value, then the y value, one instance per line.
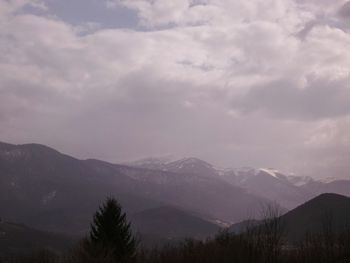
pixel 262 83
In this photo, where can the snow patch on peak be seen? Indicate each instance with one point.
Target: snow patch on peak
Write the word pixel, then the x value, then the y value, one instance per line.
pixel 192 161
pixel 328 179
pixel 151 161
pixel 270 171
pixel 246 170
pixel 299 180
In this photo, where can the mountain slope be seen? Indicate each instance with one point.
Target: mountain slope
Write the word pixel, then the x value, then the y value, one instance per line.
pixel 314 215
pixel 172 223
pixel 189 165
pixel 341 187
pixel 18 239
pixel 328 211
pixel 202 193
pixel 49 190
pixel 46 189
pixel 269 184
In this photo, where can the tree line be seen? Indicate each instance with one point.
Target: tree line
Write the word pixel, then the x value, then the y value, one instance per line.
pixel 111 241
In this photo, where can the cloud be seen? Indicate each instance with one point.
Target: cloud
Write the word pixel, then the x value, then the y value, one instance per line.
pixel 229 81
pixel 10 6
pixel 344 11
pixel 196 12
pixel 317 99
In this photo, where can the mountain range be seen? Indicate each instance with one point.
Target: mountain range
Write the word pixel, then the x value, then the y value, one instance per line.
pixel 287 190
pixel 51 191
pixel 43 188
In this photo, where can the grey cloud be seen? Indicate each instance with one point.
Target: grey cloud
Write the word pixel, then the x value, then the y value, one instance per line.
pixel 82 11
pixel 319 99
pixel 345 10
pixel 302 34
pixel 149 119
pixel 122 94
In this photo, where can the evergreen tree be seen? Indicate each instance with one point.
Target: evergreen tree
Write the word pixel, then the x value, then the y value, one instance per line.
pixel 110 230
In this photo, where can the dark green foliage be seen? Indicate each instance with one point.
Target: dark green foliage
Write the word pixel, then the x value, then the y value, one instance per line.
pixel 231 248
pixel 87 252
pixel 110 231
pixel 42 256
pixel 248 247
pixel 111 241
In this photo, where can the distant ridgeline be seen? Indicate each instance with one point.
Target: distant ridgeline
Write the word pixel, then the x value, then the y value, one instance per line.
pixel 166 201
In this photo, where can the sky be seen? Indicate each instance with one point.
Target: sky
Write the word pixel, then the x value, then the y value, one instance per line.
pixel 261 83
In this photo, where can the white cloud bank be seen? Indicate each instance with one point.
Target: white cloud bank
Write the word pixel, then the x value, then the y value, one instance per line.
pixel 261 82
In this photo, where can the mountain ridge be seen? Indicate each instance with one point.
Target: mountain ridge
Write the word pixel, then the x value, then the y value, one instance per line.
pixel 44 188
pixel 59 192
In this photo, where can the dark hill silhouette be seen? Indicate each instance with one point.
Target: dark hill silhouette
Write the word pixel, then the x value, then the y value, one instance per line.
pixel 16 239
pixel 326 210
pixel 313 215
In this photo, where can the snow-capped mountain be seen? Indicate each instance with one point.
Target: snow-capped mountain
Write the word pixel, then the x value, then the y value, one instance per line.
pixel 300 180
pixel 191 165
pixel 269 183
pixel 288 190
pixel 155 163
pixel 43 188
pixel 241 175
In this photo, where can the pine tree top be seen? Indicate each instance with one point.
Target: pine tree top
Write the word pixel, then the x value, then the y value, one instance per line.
pixel 110 229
